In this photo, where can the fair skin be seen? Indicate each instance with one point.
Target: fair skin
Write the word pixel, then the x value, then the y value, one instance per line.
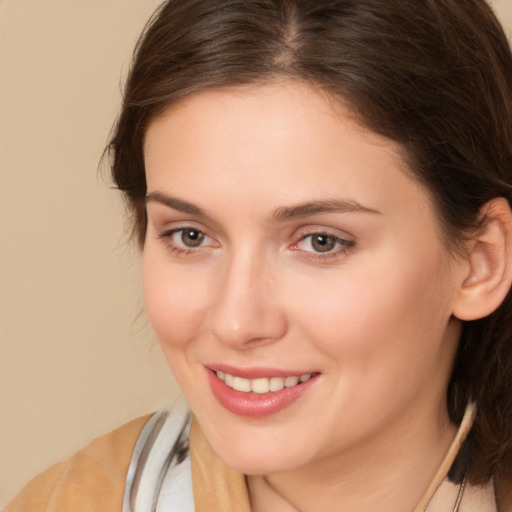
pixel 357 289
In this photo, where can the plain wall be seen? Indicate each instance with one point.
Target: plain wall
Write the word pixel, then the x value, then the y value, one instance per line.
pixel 77 358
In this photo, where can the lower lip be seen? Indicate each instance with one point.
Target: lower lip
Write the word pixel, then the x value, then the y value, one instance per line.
pixel 256 405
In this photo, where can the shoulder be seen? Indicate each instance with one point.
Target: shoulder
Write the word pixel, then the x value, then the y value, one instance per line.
pixel 92 479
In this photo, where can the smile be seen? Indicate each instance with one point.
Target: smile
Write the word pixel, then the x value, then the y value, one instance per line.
pixel 260 392
pixel 262 385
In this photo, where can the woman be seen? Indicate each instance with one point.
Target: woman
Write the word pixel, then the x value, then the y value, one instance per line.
pixel 321 192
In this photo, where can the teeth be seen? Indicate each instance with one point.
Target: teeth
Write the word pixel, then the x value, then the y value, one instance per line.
pixel 262 385
pixel 276 384
pixel 241 384
pixel 291 381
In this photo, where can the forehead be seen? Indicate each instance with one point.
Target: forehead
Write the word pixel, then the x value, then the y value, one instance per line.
pixel 284 142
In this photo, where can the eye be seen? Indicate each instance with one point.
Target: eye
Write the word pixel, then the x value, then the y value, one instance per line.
pixel 321 242
pixel 186 240
pixel 190 237
pixel 324 243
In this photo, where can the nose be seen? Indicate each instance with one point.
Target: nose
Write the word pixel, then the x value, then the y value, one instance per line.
pixel 247 310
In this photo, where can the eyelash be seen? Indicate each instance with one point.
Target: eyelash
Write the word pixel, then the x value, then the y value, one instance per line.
pixel 342 246
pixel 167 236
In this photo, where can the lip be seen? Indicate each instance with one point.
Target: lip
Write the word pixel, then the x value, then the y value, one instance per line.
pixel 255 405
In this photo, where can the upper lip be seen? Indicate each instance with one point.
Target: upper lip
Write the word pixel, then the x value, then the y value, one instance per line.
pixel 256 372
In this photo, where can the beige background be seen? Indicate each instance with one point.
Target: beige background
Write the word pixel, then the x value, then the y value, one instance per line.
pixel 75 359
pixel 76 355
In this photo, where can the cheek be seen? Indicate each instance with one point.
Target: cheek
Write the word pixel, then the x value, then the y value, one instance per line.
pixel 176 302
pixel 376 311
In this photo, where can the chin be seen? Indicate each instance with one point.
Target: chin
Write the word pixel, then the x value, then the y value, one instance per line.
pixel 261 458
pixel 258 466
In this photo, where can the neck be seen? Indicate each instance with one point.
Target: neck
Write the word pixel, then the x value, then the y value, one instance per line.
pixel 363 478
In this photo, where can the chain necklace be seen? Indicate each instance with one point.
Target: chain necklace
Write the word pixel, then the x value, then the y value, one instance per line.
pixel 459 496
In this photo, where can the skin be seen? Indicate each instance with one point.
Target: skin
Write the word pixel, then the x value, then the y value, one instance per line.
pixel 373 315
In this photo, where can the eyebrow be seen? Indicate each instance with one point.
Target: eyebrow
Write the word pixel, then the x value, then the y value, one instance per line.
pixel 321 206
pixel 175 204
pixel 281 214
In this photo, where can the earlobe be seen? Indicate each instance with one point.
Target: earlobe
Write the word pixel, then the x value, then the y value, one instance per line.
pixel 488 275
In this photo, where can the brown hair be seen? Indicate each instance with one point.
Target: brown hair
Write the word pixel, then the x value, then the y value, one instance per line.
pixel 433 75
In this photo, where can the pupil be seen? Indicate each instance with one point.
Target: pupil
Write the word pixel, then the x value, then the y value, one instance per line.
pixel 323 243
pixel 192 237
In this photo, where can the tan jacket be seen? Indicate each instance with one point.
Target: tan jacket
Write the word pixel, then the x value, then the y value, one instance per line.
pixel 93 480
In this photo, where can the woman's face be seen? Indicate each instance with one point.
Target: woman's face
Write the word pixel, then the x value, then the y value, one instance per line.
pixel 285 240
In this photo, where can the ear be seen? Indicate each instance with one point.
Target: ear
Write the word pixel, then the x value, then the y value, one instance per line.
pixel 487 276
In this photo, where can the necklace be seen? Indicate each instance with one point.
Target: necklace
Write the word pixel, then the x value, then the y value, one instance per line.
pixel 459 496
